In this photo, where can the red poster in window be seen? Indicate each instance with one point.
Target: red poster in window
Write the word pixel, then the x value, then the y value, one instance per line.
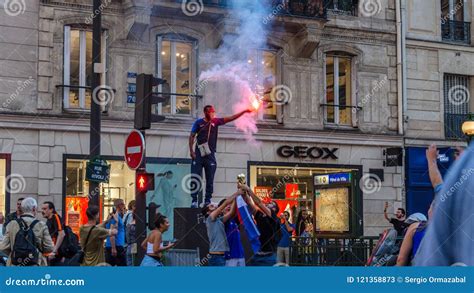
pixel 291 191
pixel 75 215
pixel 264 193
pixel 287 205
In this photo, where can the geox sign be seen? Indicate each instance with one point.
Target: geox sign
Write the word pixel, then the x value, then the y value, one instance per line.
pixel 307 152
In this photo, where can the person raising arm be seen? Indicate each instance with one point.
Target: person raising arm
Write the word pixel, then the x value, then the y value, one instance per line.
pixel 255 202
pixel 204 134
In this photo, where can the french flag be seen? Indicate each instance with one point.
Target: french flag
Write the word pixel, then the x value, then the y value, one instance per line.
pixel 250 228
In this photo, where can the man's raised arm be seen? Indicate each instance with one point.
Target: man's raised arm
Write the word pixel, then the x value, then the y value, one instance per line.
pixel 236 116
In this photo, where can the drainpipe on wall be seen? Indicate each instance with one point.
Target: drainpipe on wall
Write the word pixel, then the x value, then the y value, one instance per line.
pixel 404 62
pixel 400 71
pixel 401 84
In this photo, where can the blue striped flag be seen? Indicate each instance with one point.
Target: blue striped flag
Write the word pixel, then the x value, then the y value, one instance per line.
pixel 250 228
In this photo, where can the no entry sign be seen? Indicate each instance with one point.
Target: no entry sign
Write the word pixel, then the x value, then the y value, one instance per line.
pixel 134 149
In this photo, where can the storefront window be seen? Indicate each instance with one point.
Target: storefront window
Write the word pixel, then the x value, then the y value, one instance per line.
pixel 121 185
pixel 169 190
pixel 294 189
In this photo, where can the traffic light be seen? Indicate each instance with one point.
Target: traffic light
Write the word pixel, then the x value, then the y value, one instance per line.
pixel 145 98
pixel 145 181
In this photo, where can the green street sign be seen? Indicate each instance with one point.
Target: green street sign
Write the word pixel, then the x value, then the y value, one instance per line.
pixel 98 170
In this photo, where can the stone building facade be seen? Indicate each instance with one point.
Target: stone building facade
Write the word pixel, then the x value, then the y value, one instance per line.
pixel 438 85
pixel 45 94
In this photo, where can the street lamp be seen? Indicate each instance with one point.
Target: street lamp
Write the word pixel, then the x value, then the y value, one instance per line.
pixel 468 127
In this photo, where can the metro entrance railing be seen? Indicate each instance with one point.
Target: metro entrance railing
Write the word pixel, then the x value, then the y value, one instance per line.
pixel 322 251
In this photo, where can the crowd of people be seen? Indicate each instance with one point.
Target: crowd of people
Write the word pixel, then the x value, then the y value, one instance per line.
pixel 274 232
pixel 27 241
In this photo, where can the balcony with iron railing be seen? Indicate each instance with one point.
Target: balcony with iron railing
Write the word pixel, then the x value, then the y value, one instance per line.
pixel 297 8
pixel 342 7
pixel 456 31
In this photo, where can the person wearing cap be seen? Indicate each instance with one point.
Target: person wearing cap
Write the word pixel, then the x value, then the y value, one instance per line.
pixel 413 237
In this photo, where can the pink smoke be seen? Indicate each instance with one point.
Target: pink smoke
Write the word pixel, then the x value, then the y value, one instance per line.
pixel 236 76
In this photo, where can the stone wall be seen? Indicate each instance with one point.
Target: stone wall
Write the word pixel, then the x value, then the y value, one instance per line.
pixel 428 60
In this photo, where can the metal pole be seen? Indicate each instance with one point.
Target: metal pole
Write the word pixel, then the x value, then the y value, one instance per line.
pixel 94 192
pixel 140 216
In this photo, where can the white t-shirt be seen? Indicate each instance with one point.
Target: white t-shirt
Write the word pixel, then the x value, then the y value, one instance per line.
pixel 1 232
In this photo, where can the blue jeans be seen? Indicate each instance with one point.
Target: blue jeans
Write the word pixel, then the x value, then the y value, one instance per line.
pixel 216 260
pixel 263 260
pixel 130 256
pixel 150 262
pixel 210 166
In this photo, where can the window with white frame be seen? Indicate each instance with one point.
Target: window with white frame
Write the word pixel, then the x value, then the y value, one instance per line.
pixel 338 98
pixel 264 64
pixel 176 63
pixel 78 67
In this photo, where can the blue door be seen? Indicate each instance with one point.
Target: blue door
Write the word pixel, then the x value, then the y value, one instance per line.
pixel 418 185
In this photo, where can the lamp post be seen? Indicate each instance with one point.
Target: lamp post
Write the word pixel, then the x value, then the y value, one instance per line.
pixel 468 127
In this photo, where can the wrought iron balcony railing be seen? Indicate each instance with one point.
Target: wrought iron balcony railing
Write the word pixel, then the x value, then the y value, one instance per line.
pixel 296 8
pixel 453 126
pixel 456 31
pixel 342 7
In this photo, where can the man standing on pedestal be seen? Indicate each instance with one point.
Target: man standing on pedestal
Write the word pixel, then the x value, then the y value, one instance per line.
pixel 206 130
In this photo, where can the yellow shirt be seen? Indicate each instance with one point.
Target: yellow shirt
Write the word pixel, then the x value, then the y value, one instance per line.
pixel 94 252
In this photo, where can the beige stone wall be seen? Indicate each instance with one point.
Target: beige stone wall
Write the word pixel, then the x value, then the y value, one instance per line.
pixel 428 59
pixel 371 40
pixel 19 58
